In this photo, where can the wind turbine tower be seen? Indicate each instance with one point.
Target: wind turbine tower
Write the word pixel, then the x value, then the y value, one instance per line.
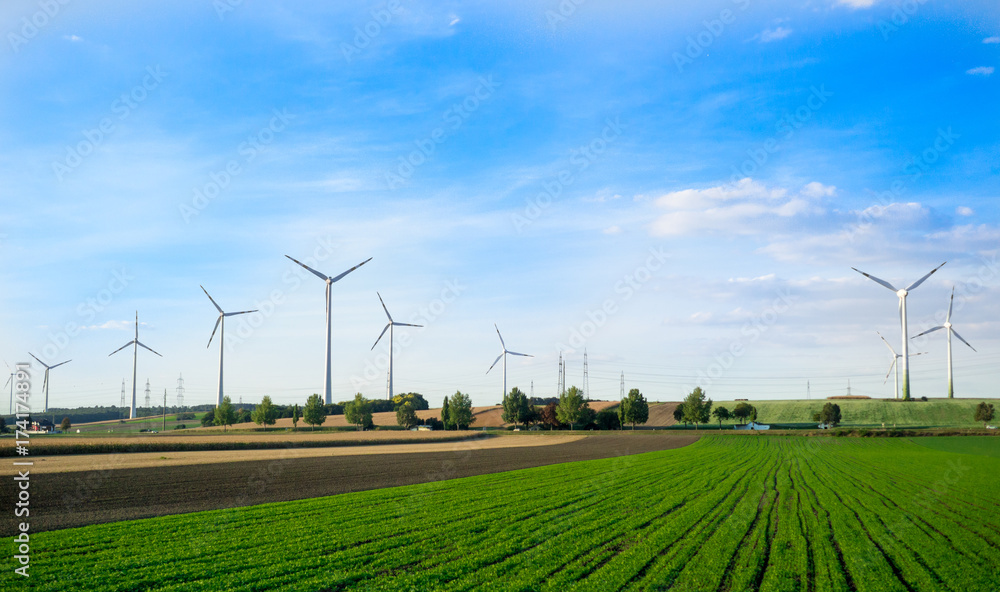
pixel 328 396
pixel 503 355
pixel 135 343
pixel 951 331
pixel 901 293
pixel 221 320
pixel 45 382
pixel 894 365
pixel 388 328
pixel 10 408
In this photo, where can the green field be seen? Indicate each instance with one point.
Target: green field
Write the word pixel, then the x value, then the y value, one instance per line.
pixel 934 413
pixel 726 513
pixel 981 445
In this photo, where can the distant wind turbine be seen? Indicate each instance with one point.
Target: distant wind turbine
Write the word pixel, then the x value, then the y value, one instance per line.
pixel 893 365
pixel 328 396
pixel 901 293
pixel 951 331
pixel 222 335
pixel 10 381
pixel 388 328
pixel 503 355
pixel 45 382
pixel 135 343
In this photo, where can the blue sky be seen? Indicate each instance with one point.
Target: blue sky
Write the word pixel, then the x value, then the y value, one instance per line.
pixel 679 189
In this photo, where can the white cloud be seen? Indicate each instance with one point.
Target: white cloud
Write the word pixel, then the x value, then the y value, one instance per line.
pixel 454 21
pixel 748 207
pixel 612 230
pixel 761 278
pixel 964 211
pixel 993 39
pixel 769 35
pixel 114 325
pixel 857 3
pixel 980 71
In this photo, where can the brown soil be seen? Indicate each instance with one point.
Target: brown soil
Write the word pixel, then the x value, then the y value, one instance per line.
pixel 107 493
pixel 661 415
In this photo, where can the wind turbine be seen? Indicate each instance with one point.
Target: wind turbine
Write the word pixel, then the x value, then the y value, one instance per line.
pixel 135 343
pixel 503 355
pixel 388 328
pixel 45 382
pixel 222 336
pixel 10 381
pixel 901 293
pixel 893 365
pixel 951 331
pixel 328 397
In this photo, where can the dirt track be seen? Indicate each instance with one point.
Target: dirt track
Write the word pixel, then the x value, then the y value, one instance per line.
pixel 63 500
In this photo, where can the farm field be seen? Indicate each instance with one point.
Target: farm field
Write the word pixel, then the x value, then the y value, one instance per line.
pixel 725 513
pixel 933 413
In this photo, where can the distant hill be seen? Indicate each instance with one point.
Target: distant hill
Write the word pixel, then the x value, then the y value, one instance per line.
pixel 873 412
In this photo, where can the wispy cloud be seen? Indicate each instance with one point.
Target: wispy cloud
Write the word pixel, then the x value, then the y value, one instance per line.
pixel 769 35
pixel 980 71
pixel 964 211
pixel 857 3
pixel 993 39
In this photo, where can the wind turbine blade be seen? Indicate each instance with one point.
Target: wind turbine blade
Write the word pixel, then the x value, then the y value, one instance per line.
pixel 383 306
pixel 955 333
pixel 876 280
pixel 950 304
pixel 217 321
pixel 918 354
pixel 494 363
pixel 121 348
pixel 886 344
pixel 517 354
pixel 45 380
pixel 219 308
pixel 39 361
pixel 149 348
pixel 500 336
pixel 9 378
pixel 406 325
pixel 60 364
pixel 316 273
pixel 891 366
pixel 921 280
pixel 927 331
pixel 350 270
pixel 380 336
pixel 231 314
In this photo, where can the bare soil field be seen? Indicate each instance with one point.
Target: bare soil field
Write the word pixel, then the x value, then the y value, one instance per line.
pixel 106 493
pixel 661 415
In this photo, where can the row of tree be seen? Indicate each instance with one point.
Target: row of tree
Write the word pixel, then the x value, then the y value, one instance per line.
pixel 697 409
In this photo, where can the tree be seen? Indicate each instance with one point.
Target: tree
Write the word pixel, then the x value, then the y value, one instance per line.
pixel 984 412
pixel 753 414
pixel 571 406
pixel 444 414
pixel 314 414
pixel 742 411
pixel 721 413
pixel 358 411
pixel 225 415
pixel 608 420
pixel 515 407
pixel 697 409
pixel 295 417
pixel 549 417
pixel 634 409
pixel 266 413
pixel 242 415
pixel 416 400
pixel 406 415
pixel 460 411
pixel 830 414
pixel 3 426
pixel 679 414
pixel 208 419
pixel 65 424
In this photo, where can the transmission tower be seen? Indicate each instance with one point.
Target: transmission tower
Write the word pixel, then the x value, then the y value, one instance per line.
pixel 561 383
pixel 147 394
pixel 180 392
pixel 121 407
pixel 622 396
pixel 586 379
pixel 532 391
pixel 808 392
pixel 848 387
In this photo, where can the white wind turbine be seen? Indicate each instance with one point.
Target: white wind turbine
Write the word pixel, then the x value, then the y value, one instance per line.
pixel 222 335
pixel 901 293
pixel 135 343
pixel 951 331
pixel 45 382
pixel 503 355
pixel 893 365
pixel 328 396
pixel 388 328
pixel 10 381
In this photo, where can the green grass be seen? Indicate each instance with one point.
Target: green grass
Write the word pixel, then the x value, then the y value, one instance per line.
pixel 726 513
pixel 934 413
pixel 981 445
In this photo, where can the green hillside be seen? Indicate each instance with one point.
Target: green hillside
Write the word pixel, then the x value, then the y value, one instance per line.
pixel 873 412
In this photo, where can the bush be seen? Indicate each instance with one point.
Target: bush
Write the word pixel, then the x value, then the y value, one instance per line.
pixel 180 426
pixel 608 420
